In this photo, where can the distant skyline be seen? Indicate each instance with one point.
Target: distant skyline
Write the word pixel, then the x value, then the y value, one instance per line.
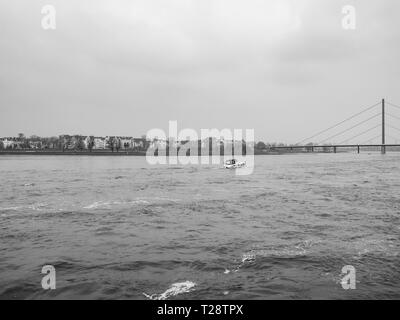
pixel 285 68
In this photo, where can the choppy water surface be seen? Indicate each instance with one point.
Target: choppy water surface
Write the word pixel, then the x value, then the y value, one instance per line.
pixel 115 227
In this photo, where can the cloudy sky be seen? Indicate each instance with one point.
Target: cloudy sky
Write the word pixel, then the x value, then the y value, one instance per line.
pixel 285 68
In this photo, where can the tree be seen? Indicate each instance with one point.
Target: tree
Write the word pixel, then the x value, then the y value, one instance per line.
pixel 118 144
pixel 111 143
pixel 91 143
pixel 1 145
pixel 309 147
pixel 22 140
pixel 65 142
pixel 33 141
pixel 53 142
pixel 79 144
pixel 261 145
pixel 145 143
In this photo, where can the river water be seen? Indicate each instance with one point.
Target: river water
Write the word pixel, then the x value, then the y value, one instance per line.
pixel 116 228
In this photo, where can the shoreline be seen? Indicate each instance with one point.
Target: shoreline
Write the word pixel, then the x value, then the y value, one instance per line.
pixel 73 153
pixel 120 153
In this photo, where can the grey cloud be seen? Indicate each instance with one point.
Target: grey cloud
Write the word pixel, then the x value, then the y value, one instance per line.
pixel 124 67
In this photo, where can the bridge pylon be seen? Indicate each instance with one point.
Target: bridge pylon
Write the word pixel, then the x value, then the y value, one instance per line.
pixel 383 148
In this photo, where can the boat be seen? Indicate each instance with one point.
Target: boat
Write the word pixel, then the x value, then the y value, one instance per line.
pixel 233 164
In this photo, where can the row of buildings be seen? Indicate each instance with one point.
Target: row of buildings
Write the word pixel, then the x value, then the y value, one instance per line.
pixel 79 142
pixel 74 142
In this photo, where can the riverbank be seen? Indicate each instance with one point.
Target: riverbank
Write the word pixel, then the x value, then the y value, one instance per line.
pixel 72 153
pixel 127 153
pixel 110 153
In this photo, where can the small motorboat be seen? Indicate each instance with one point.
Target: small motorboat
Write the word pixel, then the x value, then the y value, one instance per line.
pixel 234 164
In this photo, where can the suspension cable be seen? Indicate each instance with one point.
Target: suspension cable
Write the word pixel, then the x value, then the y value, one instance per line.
pixel 393 116
pixel 338 124
pixel 372 139
pixel 344 131
pixel 393 105
pixel 360 134
pixel 393 127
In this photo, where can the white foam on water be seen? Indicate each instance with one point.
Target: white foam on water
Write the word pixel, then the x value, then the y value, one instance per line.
pixel 10 208
pixel 248 257
pixel 174 290
pixel 97 204
pixel 158 199
pixel 36 207
pixel 375 246
pixel 299 250
pixel 106 204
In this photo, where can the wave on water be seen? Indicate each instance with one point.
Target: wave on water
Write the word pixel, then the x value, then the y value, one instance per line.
pixel 11 208
pixel 300 249
pixel 174 290
pixel 35 206
pixel 375 247
pixel 159 200
pixel 29 184
pixel 137 201
pixel 107 204
pixel 246 258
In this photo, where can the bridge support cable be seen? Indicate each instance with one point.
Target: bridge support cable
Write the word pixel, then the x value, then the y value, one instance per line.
pixel 393 127
pixel 351 128
pixel 393 105
pixel 338 124
pixel 360 134
pixel 393 116
pixel 370 140
pixel 394 138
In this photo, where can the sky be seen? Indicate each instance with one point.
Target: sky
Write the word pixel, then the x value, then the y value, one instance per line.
pixel 285 68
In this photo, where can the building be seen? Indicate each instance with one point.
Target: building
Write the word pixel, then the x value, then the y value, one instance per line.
pixel 11 143
pixel 100 143
pixel 126 142
pixel 154 144
pixel 35 144
pixel 139 143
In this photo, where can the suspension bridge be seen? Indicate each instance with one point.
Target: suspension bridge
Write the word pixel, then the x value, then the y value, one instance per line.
pixel 375 125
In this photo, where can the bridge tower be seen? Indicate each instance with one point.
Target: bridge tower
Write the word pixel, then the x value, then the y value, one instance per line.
pixel 383 148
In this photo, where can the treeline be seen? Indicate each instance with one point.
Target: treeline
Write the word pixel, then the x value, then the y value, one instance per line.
pixel 72 142
pixel 113 143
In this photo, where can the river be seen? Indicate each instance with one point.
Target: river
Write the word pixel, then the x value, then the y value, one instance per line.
pixel 118 228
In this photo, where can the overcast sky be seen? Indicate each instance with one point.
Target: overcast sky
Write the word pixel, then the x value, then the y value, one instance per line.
pixel 285 68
